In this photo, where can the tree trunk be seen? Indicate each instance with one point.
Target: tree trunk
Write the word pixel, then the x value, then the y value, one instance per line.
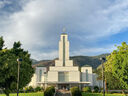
pixel 106 86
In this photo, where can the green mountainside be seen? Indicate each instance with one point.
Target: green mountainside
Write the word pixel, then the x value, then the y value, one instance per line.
pixel 93 61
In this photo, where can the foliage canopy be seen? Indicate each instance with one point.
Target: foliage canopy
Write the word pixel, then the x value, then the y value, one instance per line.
pixel 116 67
pixel 9 66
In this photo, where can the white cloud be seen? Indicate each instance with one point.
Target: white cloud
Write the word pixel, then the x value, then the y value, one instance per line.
pixel 39 23
pixel 94 51
pixel 45 55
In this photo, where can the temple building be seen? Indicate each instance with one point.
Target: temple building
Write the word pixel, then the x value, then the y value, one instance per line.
pixel 64 74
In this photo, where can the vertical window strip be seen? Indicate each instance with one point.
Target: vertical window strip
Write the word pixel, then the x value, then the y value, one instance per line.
pixel 86 75
pixel 40 75
pixel 63 50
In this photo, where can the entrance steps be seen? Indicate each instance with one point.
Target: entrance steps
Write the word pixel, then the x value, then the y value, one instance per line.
pixel 62 93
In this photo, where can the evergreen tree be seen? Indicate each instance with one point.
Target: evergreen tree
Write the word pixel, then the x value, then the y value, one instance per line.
pixel 1 43
pixel 9 67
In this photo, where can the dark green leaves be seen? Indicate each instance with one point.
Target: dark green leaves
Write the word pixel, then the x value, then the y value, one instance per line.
pixel 9 67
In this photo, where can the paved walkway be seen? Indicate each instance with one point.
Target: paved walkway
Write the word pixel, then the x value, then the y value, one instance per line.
pixel 63 93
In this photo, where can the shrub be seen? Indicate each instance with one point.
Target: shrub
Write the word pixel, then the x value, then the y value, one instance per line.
pixel 37 89
pixel 20 90
pixel 30 89
pixel 49 91
pixel 26 90
pixel 75 91
pixel 96 89
pixel 52 89
pixel 86 89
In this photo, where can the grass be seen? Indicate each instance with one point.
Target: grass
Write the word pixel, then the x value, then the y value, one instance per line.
pixel 83 94
pixel 99 94
pixel 25 94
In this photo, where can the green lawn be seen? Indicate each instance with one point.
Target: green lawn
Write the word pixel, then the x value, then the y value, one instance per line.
pixel 99 94
pixel 83 94
pixel 25 94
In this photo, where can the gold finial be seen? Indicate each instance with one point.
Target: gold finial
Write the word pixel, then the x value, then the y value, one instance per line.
pixel 64 29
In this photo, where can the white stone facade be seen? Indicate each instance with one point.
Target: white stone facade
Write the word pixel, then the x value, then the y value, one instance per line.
pixel 63 74
pixel 38 77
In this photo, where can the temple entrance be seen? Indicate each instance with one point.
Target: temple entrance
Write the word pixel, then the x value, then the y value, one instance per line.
pixel 63 86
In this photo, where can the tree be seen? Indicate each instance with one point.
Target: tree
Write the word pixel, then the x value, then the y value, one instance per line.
pixel 110 81
pixel 1 43
pixel 9 66
pixel 116 67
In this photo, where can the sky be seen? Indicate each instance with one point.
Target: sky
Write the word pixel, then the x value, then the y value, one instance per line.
pixel 94 26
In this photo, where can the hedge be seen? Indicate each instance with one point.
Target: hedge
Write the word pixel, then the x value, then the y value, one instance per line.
pixel 75 91
pixel 49 91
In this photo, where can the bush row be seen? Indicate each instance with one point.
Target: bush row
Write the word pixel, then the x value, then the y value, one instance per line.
pixel 75 91
pixel 31 89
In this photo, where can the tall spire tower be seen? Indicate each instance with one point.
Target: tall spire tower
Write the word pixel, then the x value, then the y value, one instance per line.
pixel 64 51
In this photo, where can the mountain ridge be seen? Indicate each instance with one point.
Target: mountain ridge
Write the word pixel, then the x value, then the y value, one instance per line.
pixel 81 61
